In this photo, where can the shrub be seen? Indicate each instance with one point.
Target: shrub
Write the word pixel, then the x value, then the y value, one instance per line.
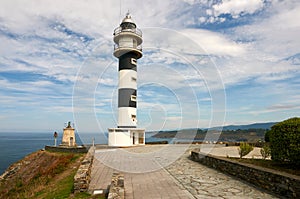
pixel 244 149
pixel 265 151
pixel 285 141
pixel 267 136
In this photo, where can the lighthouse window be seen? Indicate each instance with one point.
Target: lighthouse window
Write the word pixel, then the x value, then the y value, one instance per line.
pixel 133 79
pixel 133 117
pixel 133 61
pixel 133 98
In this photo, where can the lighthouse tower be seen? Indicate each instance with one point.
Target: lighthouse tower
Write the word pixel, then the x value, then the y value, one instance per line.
pixel 128 49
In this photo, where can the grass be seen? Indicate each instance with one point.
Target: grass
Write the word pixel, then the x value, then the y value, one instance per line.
pixel 48 175
pixel 61 188
pixel 283 167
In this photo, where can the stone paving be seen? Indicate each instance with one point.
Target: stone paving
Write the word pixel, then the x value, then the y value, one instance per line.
pixel 154 172
pixel 156 184
pixel 204 182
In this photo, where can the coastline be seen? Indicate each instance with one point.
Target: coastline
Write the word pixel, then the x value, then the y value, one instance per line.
pixel 14 146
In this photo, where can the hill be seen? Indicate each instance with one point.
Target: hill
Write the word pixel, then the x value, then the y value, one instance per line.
pixel 41 174
pixel 267 125
pixel 232 133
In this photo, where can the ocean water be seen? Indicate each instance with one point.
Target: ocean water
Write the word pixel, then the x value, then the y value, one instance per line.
pixel 15 146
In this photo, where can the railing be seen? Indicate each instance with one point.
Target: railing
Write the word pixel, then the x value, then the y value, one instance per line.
pixel 116 47
pixel 118 30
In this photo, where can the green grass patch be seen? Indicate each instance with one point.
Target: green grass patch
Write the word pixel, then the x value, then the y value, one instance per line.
pixel 63 188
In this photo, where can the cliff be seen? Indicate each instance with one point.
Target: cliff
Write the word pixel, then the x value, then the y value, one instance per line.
pixel 41 174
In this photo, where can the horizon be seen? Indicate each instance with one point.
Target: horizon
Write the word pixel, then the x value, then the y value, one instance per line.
pixel 147 131
pixel 205 64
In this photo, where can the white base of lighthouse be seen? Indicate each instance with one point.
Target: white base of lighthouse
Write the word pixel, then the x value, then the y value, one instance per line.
pixel 125 137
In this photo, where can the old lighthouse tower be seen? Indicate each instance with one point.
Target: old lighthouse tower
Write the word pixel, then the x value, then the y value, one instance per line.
pixel 128 49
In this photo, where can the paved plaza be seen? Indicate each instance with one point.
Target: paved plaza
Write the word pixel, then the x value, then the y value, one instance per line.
pixel 164 171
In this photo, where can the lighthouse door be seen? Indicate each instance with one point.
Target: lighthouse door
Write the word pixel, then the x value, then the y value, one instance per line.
pixel 133 139
pixel 71 141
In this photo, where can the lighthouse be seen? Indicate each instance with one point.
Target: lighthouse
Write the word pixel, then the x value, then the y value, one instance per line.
pixel 128 49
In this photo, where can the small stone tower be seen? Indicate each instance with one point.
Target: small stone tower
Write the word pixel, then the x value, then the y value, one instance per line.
pixel 128 49
pixel 69 136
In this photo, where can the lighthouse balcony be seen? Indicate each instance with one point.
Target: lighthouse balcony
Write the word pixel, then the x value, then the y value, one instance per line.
pixel 121 50
pixel 133 33
pixel 119 30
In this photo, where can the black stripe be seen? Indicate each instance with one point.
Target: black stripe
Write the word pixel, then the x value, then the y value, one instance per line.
pixel 124 98
pixel 126 126
pixel 125 61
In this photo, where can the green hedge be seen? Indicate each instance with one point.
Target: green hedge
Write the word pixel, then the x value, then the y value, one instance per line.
pixel 285 141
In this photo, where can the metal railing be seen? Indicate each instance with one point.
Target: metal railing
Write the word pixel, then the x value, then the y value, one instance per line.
pixel 139 47
pixel 119 29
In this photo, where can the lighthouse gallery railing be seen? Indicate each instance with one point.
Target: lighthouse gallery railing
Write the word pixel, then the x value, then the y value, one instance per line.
pixel 118 30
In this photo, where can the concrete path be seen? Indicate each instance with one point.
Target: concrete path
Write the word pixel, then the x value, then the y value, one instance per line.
pixel 165 172
pixel 230 151
pixel 156 184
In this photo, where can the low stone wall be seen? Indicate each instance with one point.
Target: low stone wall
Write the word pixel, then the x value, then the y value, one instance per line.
pixel 82 177
pixel 279 183
pixel 157 142
pixel 116 189
pixel 81 149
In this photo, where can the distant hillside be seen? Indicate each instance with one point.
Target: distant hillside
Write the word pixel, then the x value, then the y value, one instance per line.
pixel 267 125
pixel 232 133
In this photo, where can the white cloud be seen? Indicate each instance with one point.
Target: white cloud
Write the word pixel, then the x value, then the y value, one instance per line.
pixel 47 37
pixel 34 86
pixel 237 7
pixel 209 12
pixel 215 43
pixel 191 2
pixel 202 20
pixel 275 35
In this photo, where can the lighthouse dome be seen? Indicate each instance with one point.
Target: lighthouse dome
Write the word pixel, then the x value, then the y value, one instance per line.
pixel 127 22
pixel 127 18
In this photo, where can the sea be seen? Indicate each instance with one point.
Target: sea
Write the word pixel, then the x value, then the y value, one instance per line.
pixel 15 146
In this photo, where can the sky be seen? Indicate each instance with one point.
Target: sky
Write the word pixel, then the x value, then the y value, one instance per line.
pixel 205 63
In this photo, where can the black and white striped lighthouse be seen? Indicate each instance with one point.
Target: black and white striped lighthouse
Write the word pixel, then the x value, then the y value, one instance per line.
pixel 128 49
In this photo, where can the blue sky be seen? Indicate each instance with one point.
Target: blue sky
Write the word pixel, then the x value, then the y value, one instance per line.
pixel 205 63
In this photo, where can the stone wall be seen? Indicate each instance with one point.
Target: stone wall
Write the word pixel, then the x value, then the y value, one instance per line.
pixel 158 142
pixel 81 149
pixel 82 177
pixel 116 189
pixel 279 183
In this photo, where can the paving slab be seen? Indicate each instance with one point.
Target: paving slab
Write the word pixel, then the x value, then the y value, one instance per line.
pixel 165 172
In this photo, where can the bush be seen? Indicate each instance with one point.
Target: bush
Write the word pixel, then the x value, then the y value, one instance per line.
pixel 265 151
pixel 267 136
pixel 244 149
pixel 285 141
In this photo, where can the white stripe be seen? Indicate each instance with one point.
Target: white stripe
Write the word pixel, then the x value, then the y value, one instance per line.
pixel 127 79
pixel 124 116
